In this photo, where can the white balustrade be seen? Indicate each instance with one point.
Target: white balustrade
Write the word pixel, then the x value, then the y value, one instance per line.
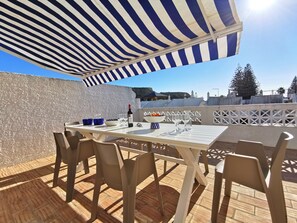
pixel 195 115
pixel 284 115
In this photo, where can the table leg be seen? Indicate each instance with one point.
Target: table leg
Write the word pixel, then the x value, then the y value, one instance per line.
pixel 191 159
pixel 185 196
pixel 193 170
pixel 149 146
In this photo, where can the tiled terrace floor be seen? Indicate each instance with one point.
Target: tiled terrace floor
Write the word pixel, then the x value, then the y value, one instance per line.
pixel 26 195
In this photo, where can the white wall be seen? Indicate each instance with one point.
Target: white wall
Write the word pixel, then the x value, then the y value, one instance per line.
pixel 33 107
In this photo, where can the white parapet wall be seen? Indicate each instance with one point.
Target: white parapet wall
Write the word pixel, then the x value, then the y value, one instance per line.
pixel 32 108
pixel 262 123
pixel 268 135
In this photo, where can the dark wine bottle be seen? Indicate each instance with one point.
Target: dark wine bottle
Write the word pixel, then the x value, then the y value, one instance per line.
pixel 130 117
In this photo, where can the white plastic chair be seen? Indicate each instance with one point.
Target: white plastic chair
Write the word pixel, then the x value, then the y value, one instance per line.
pixel 122 175
pixel 71 151
pixel 249 167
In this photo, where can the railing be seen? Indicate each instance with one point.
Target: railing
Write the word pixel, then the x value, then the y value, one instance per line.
pixel 261 117
pixel 284 115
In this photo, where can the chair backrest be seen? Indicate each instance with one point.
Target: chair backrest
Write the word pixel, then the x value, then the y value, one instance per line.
pixel 255 149
pixel 245 170
pixel 61 146
pixel 69 133
pixel 110 159
pixel 248 166
pixel 279 155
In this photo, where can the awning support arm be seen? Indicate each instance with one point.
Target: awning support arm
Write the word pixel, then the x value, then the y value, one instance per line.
pixel 207 21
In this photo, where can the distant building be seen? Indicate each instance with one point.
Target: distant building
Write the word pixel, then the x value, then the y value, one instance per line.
pixel 177 95
pixel 266 99
pixel 172 103
pixel 224 101
pixel 153 96
pixel 293 98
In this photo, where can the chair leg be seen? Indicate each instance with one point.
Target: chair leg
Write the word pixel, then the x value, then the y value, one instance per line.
pixel 70 181
pixel 271 208
pixel 86 166
pixel 205 160
pixel 277 204
pixel 228 185
pixel 129 147
pixel 97 189
pixel 129 194
pixel 159 192
pixel 216 196
pixel 57 170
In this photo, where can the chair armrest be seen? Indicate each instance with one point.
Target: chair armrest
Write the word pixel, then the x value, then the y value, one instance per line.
pixel 245 170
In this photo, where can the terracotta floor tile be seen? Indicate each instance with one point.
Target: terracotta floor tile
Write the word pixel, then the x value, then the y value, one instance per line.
pixel 292 220
pixel 27 196
pixel 292 212
pixel 247 217
pixel 264 213
pixel 294 204
pixel 291 196
pixel 253 201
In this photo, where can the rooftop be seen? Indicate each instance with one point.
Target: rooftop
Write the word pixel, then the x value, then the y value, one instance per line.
pixel 27 195
pixel 182 102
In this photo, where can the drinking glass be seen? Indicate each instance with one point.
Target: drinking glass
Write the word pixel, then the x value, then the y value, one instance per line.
pixel 186 120
pixel 125 120
pixel 122 119
pixel 176 118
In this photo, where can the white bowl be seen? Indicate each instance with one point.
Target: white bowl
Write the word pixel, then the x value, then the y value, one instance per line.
pixel 112 123
pixel 154 119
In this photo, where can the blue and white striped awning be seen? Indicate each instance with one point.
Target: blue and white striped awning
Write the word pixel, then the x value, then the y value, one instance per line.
pixel 106 40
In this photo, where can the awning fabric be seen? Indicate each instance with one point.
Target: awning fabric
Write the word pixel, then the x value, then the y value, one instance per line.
pixel 104 41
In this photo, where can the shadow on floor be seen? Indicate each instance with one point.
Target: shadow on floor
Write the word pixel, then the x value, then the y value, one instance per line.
pixel 34 201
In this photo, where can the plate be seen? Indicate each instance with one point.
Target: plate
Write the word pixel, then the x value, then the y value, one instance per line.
pixel 112 123
pixel 154 119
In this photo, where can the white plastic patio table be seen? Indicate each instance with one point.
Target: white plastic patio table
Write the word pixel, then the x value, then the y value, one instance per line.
pixel 188 144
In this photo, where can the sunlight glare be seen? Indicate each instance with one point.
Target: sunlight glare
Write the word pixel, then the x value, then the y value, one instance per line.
pixel 260 5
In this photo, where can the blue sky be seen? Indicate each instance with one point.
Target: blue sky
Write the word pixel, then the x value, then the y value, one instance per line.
pixel 268 43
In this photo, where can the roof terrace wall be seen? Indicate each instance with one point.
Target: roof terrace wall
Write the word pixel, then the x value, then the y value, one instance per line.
pixel 32 108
